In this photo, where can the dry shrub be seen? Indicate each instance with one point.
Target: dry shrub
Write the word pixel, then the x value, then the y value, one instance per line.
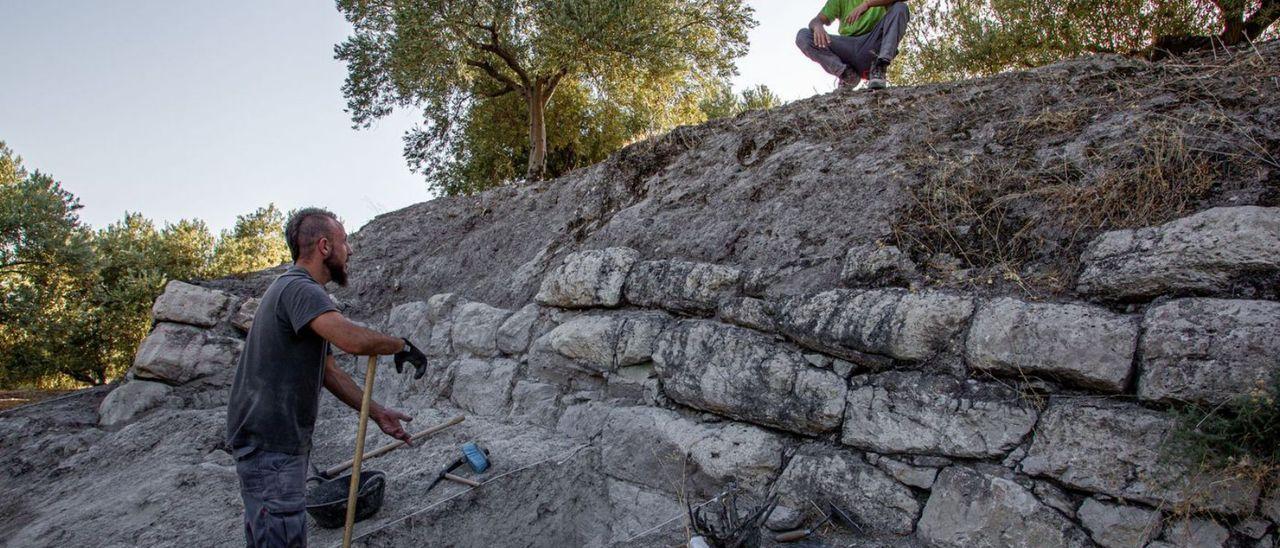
pixel 1033 222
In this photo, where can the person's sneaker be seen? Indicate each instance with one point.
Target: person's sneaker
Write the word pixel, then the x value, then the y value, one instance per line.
pixel 849 78
pixel 877 79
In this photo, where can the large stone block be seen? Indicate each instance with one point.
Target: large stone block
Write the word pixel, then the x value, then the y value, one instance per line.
pixel 868 494
pixel 1208 350
pixel 130 400
pixel 681 286
pixel 176 353
pixel 741 374
pixel 515 333
pixel 243 318
pixel 664 450
pixel 483 387
pixel 412 321
pixel 1083 345
pixel 1205 253
pixel 985 506
pixel 1119 526
pixel 475 328
pixel 605 343
pixel 1116 449
pixel 535 403
pixel 440 311
pixel 887 322
pixel 748 312
pixel 191 304
pixel 635 509
pixel 588 278
pixel 876 265
pixel 912 412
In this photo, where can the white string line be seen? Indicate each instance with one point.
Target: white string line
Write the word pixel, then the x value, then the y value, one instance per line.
pixel 567 456
pixel 682 514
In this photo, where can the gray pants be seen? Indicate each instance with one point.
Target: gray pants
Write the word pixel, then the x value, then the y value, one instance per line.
pixel 273 486
pixel 859 52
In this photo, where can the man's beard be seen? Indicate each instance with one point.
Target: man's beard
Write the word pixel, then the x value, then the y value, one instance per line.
pixel 337 272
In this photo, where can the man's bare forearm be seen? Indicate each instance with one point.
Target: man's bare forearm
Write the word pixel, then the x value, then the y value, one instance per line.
pixel 352 338
pixel 343 387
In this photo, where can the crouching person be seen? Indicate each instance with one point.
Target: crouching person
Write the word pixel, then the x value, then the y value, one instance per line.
pixel 867 42
pixel 287 358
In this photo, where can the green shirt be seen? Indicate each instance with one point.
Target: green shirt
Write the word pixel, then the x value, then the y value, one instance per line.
pixel 840 9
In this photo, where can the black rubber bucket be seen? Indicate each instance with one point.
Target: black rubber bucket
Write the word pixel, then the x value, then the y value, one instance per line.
pixel 327 500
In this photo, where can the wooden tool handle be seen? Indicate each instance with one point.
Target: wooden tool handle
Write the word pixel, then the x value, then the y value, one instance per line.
pixel 792 536
pixel 462 480
pixel 355 462
pixel 393 446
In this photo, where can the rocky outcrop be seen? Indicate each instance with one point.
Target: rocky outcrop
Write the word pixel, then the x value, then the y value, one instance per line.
pixel 1209 252
pixel 871 263
pixel 130 400
pixel 176 353
pixel 985 506
pixel 1079 345
pixel 681 286
pixel 1209 350
pixel 869 495
pixel 1117 525
pixel 191 304
pixel 741 374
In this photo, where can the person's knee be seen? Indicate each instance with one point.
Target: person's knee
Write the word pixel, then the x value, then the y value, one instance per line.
pixel 899 8
pixel 804 38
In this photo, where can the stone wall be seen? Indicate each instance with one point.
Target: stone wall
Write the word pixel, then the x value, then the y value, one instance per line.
pixel 931 417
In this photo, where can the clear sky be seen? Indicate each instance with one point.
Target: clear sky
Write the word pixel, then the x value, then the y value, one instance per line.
pixel 184 109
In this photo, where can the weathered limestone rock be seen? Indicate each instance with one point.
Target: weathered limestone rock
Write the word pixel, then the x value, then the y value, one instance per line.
pixel 742 374
pixel 412 321
pixel 190 304
pixel 1084 345
pixel 243 318
pixel 681 286
pixel 440 310
pixel 1196 533
pixel 1205 253
pixel 514 334
pixel 888 322
pixel 535 403
pixel 475 328
pixel 483 387
pixel 913 412
pixel 130 400
pixel 605 343
pixel 1114 448
pixel 984 506
pixel 175 353
pixel 548 365
pixel 915 476
pixel 635 509
pixel 648 446
pixel 869 495
pixel 588 278
pixel 1209 350
pixel 1119 526
pixel 748 312
pixel 880 265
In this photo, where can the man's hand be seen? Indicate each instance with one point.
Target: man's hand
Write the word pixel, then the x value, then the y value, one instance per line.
pixel 411 354
pixel 820 37
pixel 389 421
pixel 856 13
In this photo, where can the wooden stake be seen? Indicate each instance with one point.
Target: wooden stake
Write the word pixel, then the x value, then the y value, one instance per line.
pixel 355 462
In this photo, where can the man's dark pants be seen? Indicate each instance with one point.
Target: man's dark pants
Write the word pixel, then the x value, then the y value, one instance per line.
pixel 273 486
pixel 859 52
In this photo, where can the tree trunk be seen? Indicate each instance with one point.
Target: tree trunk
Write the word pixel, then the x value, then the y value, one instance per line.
pixel 537 99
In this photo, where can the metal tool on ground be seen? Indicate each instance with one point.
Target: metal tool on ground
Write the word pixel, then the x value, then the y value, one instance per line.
pixel 476 457
pixel 833 514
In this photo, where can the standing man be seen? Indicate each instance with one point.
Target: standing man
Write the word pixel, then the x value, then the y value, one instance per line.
pixel 868 41
pixel 286 359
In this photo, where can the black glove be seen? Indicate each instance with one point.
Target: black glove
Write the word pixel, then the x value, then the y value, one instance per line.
pixel 411 354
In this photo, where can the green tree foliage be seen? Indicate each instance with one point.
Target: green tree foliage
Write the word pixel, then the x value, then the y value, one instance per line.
pixel 254 243
pixel 951 39
pixel 485 74
pixel 722 102
pixel 76 301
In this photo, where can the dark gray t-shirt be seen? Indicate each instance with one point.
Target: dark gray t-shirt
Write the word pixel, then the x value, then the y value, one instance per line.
pixel 276 393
